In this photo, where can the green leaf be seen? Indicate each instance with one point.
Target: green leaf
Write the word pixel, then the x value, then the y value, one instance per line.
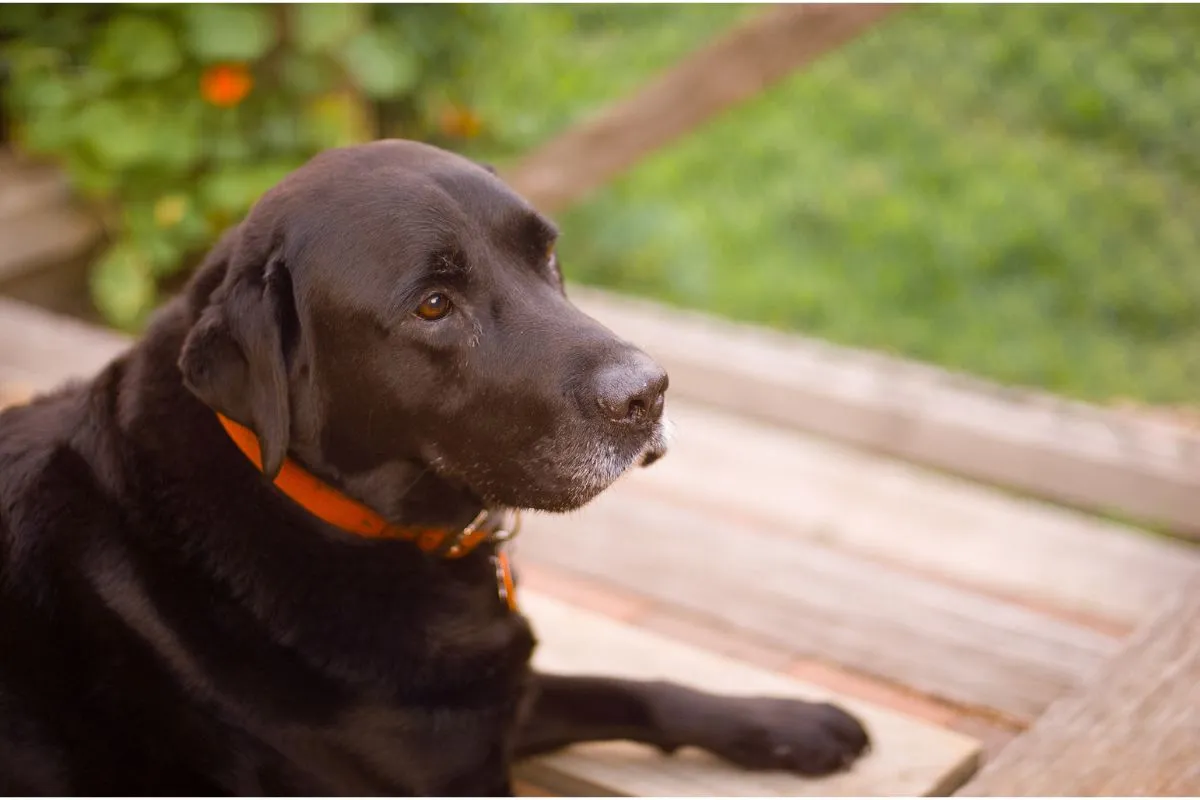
pixel 337 120
pixel 37 83
pixel 122 285
pixel 142 221
pixel 35 77
pixel 117 135
pixel 139 129
pixel 319 27
pixel 379 63
pixel 177 133
pixel 221 32
pixel 192 231
pixel 279 132
pixel 19 18
pixel 307 74
pixel 47 131
pixel 137 46
pixel 86 177
pixel 235 188
pixel 164 228
pixel 163 255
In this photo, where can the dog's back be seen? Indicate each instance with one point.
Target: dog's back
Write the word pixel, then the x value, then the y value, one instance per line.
pixel 68 720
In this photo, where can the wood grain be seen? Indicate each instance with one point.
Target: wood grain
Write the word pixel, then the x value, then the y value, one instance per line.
pixel 1043 445
pixel 1133 731
pixel 41 350
pixel 932 524
pixel 813 601
pixel 25 187
pixel 730 70
pixel 39 225
pixel 14 394
pixel 908 757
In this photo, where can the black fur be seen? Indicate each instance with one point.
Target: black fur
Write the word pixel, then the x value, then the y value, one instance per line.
pixel 170 624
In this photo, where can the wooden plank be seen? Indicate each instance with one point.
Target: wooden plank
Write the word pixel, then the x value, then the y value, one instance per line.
pixel 39 225
pixel 44 237
pixel 731 70
pixel 671 622
pixel 908 756
pixel 812 601
pixel 993 735
pixel 25 187
pixel 1133 731
pixel 13 394
pixel 930 523
pixel 41 350
pixel 1046 446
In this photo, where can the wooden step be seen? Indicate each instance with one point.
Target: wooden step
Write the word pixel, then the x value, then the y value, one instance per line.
pixel 40 225
pixel 908 756
pixel 1059 560
pixel 40 350
pixel 808 600
pixel 1032 441
pixel 1133 731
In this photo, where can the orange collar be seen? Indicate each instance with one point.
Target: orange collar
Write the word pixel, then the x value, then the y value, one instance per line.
pixel 327 503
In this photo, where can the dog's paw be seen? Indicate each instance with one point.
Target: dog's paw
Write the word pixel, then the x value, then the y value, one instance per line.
pixel 771 733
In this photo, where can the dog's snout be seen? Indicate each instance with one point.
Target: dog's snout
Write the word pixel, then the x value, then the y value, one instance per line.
pixel 632 391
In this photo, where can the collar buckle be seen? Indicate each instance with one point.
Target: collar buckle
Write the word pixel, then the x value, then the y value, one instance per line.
pixel 508 525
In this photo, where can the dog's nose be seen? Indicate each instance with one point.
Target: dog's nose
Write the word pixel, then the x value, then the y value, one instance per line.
pixel 632 391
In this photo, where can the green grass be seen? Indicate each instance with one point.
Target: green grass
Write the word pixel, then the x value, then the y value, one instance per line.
pixel 546 67
pixel 1013 191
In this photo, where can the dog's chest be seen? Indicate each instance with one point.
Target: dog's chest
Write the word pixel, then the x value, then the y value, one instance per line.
pixel 379 749
pixel 449 733
pixel 372 694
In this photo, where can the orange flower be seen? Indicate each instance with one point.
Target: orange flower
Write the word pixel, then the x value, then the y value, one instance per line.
pixel 226 85
pixel 461 122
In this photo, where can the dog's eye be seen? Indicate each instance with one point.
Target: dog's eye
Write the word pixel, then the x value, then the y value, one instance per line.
pixel 435 306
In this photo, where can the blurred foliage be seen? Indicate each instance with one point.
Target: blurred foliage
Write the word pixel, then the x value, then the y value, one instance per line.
pixel 557 64
pixel 1008 190
pixel 173 119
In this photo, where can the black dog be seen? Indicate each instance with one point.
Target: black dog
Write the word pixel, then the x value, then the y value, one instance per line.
pixel 392 318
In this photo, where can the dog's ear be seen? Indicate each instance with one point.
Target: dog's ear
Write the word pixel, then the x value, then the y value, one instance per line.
pixel 488 167
pixel 234 357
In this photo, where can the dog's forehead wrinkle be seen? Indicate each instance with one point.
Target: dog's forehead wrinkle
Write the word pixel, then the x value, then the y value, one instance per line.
pixel 405 221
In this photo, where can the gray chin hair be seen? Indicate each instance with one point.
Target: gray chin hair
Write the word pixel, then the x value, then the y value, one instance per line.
pixel 658 445
pixel 599 467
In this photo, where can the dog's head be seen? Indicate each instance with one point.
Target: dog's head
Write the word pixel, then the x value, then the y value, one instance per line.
pixel 393 314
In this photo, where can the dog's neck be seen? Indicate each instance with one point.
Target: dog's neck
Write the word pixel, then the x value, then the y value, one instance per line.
pixel 338 509
pixel 403 492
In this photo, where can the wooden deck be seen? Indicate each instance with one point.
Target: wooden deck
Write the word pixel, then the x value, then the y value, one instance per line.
pixel 759 558
pixel 1134 731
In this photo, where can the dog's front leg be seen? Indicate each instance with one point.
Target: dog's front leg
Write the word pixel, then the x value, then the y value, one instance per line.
pixel 757 733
